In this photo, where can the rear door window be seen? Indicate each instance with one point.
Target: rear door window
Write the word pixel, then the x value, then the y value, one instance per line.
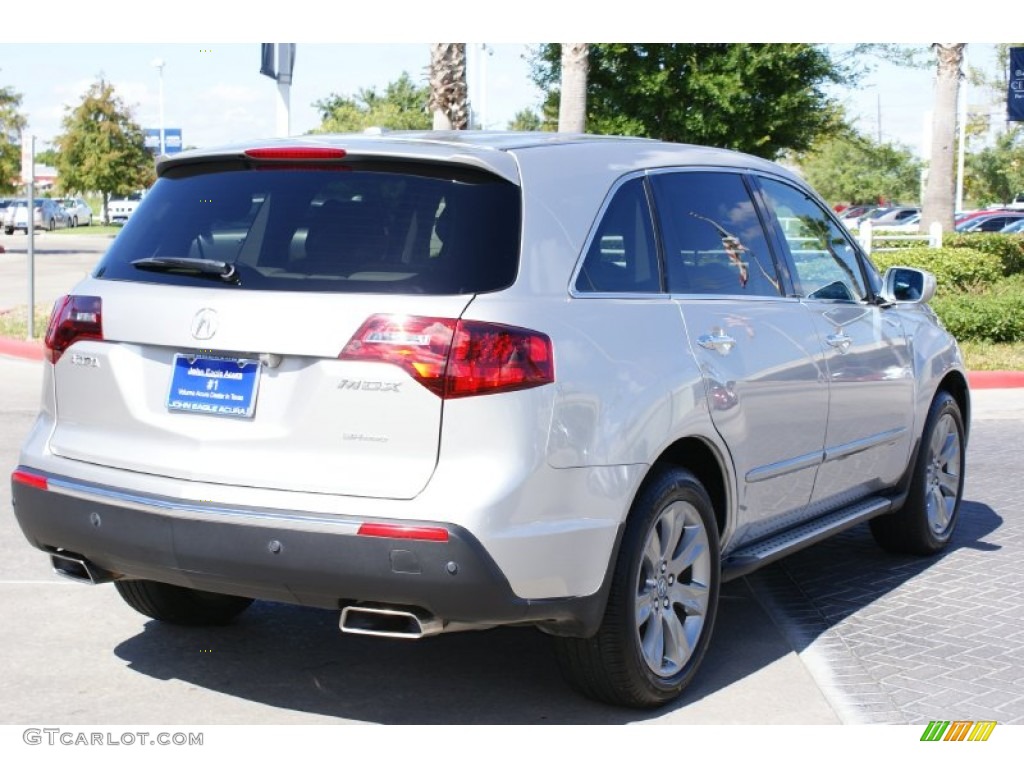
pixel 714 241
pixel 358 229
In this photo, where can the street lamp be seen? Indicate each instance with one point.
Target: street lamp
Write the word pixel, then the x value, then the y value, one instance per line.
pixel 159 64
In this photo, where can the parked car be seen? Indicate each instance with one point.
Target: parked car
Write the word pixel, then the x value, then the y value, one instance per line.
pixel 78 211
pixel 48 214
pixel 450 381
pixel 990 223
pixel 122 208
pixel 1014 227
pixel 894 216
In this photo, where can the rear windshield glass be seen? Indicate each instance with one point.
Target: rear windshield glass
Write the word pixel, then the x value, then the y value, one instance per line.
pixel 361 229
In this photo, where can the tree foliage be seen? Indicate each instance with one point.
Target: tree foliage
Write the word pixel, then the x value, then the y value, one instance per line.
pixel 757 98
pixel 402 106
pixel 12 123
pixel 996 173
pixel 102 149
pixel 855 169
pixel 526 120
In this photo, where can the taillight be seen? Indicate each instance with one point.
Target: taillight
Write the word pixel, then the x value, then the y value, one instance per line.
pixel 456 358
pixel 73 318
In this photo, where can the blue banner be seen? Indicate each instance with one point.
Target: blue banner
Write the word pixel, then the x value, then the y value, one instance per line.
pixel 1015 96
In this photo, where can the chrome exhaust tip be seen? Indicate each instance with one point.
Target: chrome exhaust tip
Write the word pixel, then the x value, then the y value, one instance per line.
pixel 77 568
pixel 389 621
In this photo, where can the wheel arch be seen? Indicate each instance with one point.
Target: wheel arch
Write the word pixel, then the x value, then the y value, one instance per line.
pixel 706 463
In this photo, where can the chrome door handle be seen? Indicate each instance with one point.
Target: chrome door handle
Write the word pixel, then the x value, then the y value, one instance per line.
pixel 722 343
pixel 840 341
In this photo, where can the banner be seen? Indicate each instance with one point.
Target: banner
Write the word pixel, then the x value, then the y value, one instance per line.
pixel 1015 96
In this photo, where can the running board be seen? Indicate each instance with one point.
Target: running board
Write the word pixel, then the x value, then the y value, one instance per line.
pixel 753 556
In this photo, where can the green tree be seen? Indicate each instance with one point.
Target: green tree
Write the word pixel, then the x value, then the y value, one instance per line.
pixel 757 98
pixel 855 169
pixel 526 120
pixel 402 106
pixel 12 123
pixel 996 173
pixel 102 148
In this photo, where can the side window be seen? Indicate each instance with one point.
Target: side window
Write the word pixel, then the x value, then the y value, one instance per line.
pixel 825 260
pixel 622 257
pixel 714 242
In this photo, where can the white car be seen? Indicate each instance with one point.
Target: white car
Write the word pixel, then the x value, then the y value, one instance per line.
pixel 78 212
pixel 119 210
pixel 448 381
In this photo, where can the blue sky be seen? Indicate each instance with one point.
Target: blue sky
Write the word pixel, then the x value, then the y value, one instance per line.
pixel 213 90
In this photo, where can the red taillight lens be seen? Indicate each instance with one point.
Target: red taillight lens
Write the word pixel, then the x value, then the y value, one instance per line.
pixel 456 358
pixel 73 318
pixel 296 153
pixel 390 531
pixel 29 479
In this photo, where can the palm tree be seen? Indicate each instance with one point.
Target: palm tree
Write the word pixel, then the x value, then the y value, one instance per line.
pixel 938 203
pixel 572 105
pixel 448 93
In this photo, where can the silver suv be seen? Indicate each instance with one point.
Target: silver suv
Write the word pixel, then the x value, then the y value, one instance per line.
pixel 449 381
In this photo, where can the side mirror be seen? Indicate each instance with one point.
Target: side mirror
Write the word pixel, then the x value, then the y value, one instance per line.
pixel 907 285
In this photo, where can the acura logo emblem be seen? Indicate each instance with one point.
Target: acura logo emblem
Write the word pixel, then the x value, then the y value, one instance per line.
pixel 204 324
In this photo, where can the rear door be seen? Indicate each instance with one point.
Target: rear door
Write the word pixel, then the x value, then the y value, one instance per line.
pixel 229 305
pixel 757 348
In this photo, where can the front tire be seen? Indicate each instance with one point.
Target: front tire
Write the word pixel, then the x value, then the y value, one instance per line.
pixel 663 600
pixel 925 523
pixel 180 605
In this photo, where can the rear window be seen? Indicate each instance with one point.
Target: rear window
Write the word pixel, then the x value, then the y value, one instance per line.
pixel 357 229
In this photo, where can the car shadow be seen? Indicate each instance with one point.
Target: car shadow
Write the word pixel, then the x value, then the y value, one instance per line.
pixel 296 659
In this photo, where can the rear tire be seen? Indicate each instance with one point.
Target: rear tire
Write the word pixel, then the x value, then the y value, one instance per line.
pixel 180 605
pixel 925 523
pixel 663 600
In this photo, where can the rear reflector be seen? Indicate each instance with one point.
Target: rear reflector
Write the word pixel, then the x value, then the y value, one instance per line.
pixel 29 479
pixel 389 531
pixel 296 153
pixel 73 318
pixel 456 358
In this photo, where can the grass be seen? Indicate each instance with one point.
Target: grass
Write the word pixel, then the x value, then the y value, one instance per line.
pixel 14 322
pixel 979 355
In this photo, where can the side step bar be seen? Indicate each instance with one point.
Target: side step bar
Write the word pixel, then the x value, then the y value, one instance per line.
pixel 753 556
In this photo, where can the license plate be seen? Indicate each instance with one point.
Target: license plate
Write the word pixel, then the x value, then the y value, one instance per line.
pixel 214 385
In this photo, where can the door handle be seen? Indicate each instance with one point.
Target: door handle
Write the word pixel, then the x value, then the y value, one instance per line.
pixel 721 343
pixel 840 341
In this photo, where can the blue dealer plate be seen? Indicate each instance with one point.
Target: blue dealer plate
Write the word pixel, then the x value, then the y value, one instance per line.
pixel 214 385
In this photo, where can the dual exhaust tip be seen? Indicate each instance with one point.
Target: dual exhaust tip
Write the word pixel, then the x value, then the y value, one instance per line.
pixel 408 623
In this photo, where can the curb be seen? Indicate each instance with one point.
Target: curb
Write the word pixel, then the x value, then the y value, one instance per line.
pixel 33 350
pixel 29 350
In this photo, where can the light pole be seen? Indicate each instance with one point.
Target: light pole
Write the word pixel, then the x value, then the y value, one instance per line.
pixel 159 64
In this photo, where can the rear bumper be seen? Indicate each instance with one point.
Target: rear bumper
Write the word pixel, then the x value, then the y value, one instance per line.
pixel 306 559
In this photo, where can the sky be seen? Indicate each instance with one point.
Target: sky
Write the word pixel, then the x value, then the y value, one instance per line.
pixel 214 93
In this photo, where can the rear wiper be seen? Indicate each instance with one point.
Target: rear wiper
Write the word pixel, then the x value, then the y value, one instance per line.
pixel 199 267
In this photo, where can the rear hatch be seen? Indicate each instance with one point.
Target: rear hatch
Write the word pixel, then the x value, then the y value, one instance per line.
pixel 281 324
